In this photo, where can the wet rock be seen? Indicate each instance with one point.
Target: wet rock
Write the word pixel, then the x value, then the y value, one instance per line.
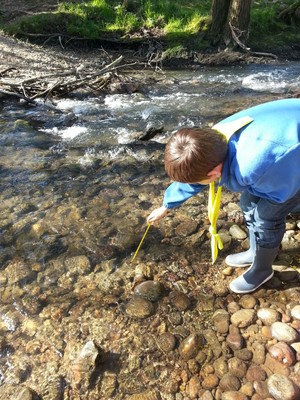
pixel 268 315
pixel 248 301
pixel 12 392
pixel 190 346
pixel 166 342
pixel 233 307
pixel 235 341
pixel 273 366
pixel 282 388
pixel 226 239
pixel 229 382
pixel 284 333
pixel 148 395
pixel 180 300
pixel 79 265
pixel 221 367
pixel 83 367
pixel 295 312
pixel 138 307
pixel 53 388
pixel 186 228
pixel 193 387
pixel 18 271
pixel 210 381
pixel 255 373
pixel 243 354
pixel 261 388
pixel 213 342
pixel 233 395
pixel 283 353
pixel 150 290
pixel 221 290
pixel 206 395
pixel 288 274
pixel 237 367
pixel 175 318
pixel 259 353
pixel 237 233
pixel 243 318
pixel 296 347
pixel 221 321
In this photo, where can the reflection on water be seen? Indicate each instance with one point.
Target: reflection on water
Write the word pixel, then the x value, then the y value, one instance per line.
pixel 74 196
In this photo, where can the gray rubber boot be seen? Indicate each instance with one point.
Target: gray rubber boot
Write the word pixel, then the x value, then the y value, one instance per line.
pixel 260 272
pixel 245 258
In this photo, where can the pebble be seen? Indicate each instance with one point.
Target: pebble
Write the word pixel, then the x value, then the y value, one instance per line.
pixel 283 353
pixel 190 346
pixel 235 341
pixel 150 290
pixel 166 342
pixel 221 321
pixel 237 367
pixel 255 373
pixel 179 300
pixel 193 387
pixel 237 233
pixel 283 332
pixel 268 315
pixel 233 395
pixel 229 382
pixel 243 318
pixel 248 301
pixel 148 395
pixel 295 312
pixel 139 307
pixel 282 388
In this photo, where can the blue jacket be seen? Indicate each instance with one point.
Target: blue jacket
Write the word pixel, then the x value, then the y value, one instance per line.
pixel 263 157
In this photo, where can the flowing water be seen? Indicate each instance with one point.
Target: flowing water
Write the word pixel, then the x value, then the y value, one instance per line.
pixel 76 187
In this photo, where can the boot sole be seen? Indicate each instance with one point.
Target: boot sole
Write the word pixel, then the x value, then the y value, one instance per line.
pixel 237 265
pixel 252 290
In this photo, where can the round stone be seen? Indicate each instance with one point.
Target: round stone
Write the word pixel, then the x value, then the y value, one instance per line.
pixel 138 307
pixel 284 333
pixel 243 318
pixel 282 388
pixel 268 315
pixel 150 290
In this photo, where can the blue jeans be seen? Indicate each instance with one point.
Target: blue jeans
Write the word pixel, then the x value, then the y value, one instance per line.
pixel 267 218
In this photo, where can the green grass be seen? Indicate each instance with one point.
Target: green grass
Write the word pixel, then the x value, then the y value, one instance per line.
pixel 180 24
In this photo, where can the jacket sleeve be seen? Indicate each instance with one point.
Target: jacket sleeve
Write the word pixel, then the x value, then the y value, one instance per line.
pixel 177 193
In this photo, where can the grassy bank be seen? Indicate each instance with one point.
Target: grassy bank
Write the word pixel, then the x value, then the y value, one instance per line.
pixel 176 26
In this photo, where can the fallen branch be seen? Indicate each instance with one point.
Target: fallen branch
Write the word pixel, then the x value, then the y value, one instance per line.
pixel 60 82
pixel 245 48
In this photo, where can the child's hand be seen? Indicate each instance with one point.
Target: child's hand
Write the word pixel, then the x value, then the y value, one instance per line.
pixel 157 214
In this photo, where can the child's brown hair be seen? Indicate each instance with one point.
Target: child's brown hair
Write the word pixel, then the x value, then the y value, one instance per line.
pixel 191 153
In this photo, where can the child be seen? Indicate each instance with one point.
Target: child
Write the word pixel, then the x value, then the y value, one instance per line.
pixel 256 152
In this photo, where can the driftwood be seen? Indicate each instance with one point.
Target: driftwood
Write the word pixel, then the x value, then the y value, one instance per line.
pixel 57 84
pixel 235 33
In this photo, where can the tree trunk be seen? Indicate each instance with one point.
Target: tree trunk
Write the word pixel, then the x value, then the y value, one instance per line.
pixel 230 22
pixel 219 14
pixel 237 25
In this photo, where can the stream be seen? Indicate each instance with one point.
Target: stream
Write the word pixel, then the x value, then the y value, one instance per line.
pixel 76 187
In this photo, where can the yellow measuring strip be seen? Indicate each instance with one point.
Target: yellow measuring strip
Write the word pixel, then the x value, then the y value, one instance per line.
pixel 137 250
pixel 214 202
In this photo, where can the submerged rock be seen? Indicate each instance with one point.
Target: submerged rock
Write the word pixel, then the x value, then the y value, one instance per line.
pixel 138 307
pixel 83 367
pixel 150 290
